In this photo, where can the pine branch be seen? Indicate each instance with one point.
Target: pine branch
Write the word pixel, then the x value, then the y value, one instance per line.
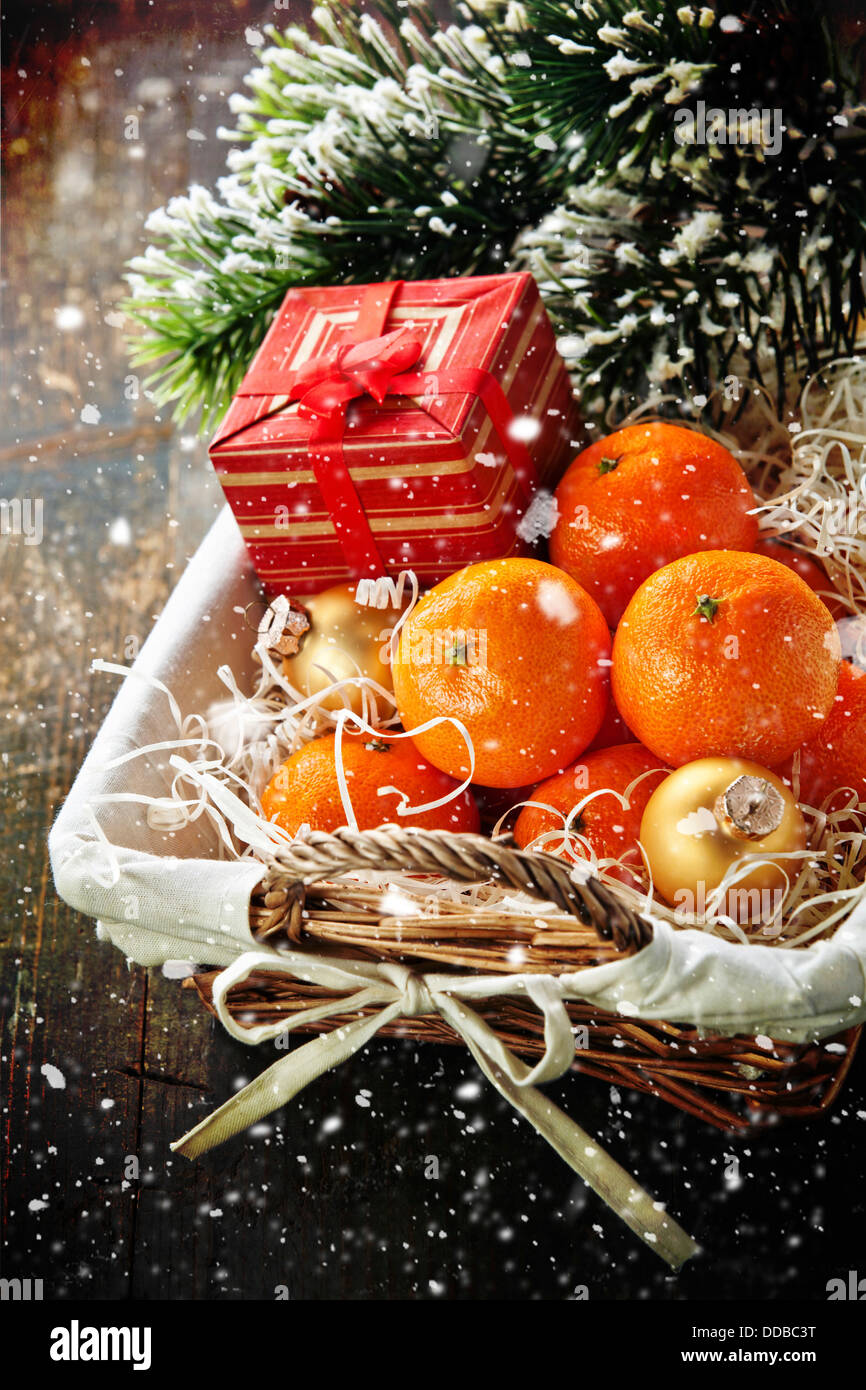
pixel 364 151
pixel 708 254
pixel 545 133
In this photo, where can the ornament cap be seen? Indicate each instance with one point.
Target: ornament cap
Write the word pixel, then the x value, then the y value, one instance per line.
pixel 751 807
pixel 282 626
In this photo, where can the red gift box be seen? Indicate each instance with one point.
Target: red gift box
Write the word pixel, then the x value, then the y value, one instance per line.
pixel 398 426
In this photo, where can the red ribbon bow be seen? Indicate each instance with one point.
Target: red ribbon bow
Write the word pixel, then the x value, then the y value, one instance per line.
pixel 325 385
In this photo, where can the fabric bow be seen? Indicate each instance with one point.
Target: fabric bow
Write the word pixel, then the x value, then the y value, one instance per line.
pixel 397 992
pixel 325 385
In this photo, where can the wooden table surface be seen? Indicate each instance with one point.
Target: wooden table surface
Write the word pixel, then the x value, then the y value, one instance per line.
pixel 103 1065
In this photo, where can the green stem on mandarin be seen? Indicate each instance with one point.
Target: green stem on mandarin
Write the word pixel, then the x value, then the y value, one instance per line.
pixel 707 607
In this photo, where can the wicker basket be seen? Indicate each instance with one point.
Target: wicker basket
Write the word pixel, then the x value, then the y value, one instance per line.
pixel 729 1082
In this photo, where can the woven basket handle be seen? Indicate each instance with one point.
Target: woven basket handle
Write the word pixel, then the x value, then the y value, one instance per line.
pixel 466 858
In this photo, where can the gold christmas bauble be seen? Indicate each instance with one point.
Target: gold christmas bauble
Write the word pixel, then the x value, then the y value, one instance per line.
pixel 343 640
pixel 707 817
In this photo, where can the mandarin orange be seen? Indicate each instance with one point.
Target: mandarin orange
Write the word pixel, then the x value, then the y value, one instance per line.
pixel 641 497
pixel 726 653
pixel 610 828
pixel 613 731
pixel 836 757
pixel 808 570
pixel 305 790
pixel 519 654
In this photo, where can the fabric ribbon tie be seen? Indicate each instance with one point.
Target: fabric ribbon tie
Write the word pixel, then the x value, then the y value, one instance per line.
pixel 324 386
pixel 394 992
